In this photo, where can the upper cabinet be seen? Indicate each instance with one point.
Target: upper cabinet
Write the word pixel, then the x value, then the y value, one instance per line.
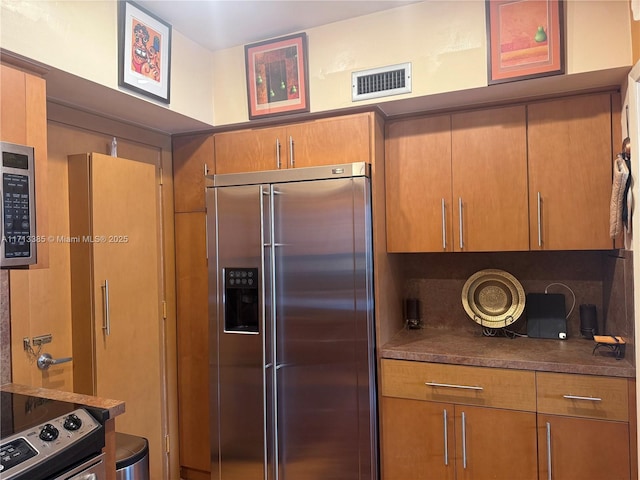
pixel 489 168
pixel 570 168
pixel 23 117
pixel 525 177
pixel 326 141
pixel 418 185
pixel 458 183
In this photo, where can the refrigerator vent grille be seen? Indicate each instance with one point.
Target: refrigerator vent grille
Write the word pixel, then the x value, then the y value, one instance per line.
pixel 381 82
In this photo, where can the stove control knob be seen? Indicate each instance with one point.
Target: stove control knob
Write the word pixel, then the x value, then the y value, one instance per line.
pixel 72 422
pixel 48 433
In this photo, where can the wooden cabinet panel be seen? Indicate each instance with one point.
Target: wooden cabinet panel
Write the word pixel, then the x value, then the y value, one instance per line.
pixel 193 340
pixel 418 185
pixel 580 448
pixel 570 173
pixel 251 150
pixel 414 443
pixel 320 142
pixel 489 167
pixel 583 396
pixel 331 141
pixel 502 388
pixel 114 211
pixel 433 440
pixel 494 444
pixel 23 120
pixel 193 157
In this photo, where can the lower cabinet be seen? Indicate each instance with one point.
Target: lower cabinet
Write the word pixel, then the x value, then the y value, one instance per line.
pixel 582 448
pixel 430 440
pixel 452 422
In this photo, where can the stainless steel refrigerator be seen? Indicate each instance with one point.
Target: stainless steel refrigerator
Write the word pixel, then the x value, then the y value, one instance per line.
pixel 291 325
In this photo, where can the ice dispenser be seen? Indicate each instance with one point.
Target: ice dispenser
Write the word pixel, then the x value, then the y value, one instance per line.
pixel 241 312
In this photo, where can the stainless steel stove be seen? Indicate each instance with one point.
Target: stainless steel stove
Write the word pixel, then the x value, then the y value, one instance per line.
pixel 42 439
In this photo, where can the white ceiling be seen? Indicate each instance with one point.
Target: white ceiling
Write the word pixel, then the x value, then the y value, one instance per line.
pixel 220 24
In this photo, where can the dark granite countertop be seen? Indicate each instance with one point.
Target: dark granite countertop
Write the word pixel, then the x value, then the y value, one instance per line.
pixel 463 348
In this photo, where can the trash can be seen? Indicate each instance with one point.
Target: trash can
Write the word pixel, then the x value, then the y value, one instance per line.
pixel 132 457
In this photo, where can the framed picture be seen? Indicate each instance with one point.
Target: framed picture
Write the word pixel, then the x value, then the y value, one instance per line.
pixel 277 74
pixel 525 39
pixel 144 52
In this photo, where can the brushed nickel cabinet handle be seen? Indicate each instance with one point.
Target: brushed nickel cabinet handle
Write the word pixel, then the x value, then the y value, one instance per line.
pixel 577 397
pixel 278 162
pixel 539 220
pixel 444 227
pixel 446 439
pixel 292 161
pixel 548 451
pixel 449 385
pixel 106 325
pixel 460 227
pixel 464 441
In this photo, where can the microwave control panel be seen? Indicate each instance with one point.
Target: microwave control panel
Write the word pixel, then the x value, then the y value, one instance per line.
pixel 18 241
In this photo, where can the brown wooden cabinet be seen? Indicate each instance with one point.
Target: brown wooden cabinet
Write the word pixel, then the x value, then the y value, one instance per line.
pixel 193 343
pixel 459 422
pixel 23 120
pixel 452 422
pixel 193 158
pixel 326 141
pixel 418 185
pixel 583 427
pixel 527 177
pixel 570 168
pixel 458 183
pixel 489 168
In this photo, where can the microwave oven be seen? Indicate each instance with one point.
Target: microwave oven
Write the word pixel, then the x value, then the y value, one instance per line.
pixel 17 209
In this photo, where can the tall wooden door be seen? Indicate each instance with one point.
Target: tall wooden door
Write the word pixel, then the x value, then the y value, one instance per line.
pixel 121 249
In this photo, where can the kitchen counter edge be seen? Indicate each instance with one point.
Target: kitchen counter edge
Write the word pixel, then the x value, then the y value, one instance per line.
pixel 113 407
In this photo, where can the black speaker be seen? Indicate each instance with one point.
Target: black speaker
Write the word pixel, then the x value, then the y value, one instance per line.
pixel 412 312
pixel 588 320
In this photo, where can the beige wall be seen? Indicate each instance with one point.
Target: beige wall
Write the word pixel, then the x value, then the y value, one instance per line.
pixel 80 37
pixel 635 34
pixel 444 40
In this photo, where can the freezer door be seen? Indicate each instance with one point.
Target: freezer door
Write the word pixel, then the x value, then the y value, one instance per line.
pixel 323 330
pixel 239 391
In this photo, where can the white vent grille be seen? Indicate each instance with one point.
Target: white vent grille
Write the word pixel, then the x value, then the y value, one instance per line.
pixel 381 82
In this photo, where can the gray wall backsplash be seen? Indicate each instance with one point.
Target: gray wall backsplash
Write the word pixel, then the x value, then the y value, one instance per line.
pixel 602 278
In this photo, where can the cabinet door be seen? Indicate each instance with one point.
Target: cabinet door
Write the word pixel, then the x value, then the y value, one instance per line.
pixel 570 173
pixel 580 448
pixel 193 340
pixel 193 158
pixel 495 444
pixel 416 440
pixel 128 324
pixel 418 185
pixel 330 141
pixel 251 150
pixel 489 163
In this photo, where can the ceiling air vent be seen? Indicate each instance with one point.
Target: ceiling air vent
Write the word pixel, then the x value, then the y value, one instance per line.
pixel 381 82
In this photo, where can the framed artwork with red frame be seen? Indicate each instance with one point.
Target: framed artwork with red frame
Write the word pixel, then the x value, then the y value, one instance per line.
pixel 525 39
pixel 277 75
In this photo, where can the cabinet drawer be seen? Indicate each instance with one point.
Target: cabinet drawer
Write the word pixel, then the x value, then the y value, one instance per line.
pixel 489 387
pixel 583 396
